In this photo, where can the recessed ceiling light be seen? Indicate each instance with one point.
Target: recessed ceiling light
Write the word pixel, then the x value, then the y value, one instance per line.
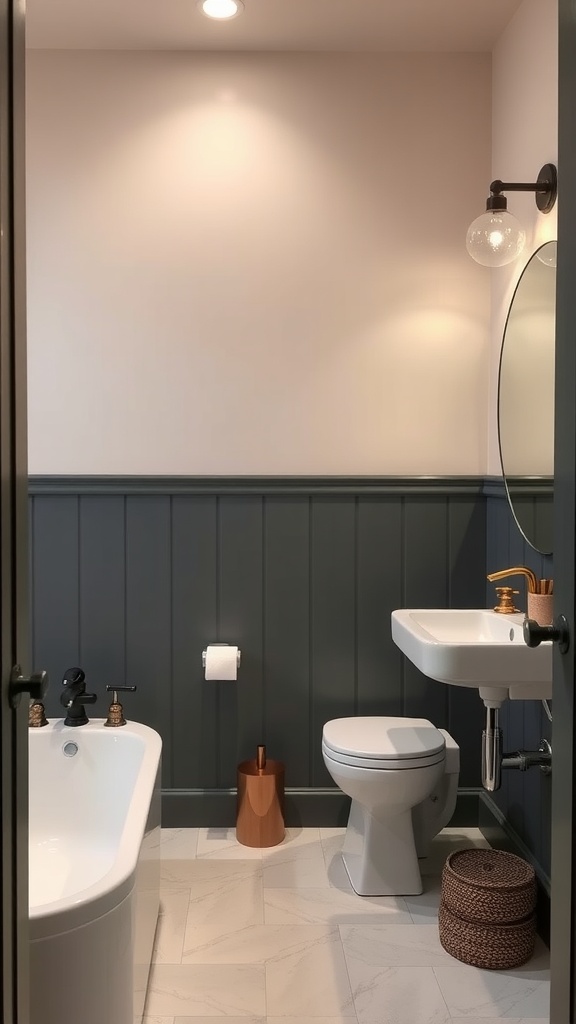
pixel 223 10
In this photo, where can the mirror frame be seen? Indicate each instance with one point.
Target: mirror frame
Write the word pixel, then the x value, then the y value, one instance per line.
pixel 529 484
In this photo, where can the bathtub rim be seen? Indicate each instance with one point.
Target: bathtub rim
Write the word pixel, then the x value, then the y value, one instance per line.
pixel 117 883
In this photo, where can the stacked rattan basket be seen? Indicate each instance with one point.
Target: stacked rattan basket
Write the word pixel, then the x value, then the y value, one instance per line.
pixel 487 908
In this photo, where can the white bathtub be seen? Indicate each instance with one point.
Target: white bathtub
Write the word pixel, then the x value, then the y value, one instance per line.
pixel 94 871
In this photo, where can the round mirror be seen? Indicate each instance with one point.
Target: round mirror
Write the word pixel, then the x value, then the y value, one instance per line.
pixel 526 399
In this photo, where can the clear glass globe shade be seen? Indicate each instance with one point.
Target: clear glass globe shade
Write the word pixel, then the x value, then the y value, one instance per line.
pixel 495 238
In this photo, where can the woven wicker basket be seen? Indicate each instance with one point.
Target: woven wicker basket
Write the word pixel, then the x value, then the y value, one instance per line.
pixel 488 887
pixel 495 947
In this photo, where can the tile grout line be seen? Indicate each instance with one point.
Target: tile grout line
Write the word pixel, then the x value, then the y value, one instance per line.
pixel 348 972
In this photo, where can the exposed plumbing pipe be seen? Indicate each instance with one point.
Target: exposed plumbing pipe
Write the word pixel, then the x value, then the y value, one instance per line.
pixel 492 751
pixel 525 759
pixel 493 760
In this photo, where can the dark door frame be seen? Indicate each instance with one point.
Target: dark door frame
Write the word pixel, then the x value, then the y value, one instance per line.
pixel 563 938
pixel 14 947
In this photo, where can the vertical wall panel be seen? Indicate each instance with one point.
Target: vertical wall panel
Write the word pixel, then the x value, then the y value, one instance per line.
pixel 103 600
pixel 545 857
pixel 498 557
pixel 379 583
pixel 425 586
pixel 532 795
pixel 525 798
pixel 525 508
pixel 514 738
pixel 149 615
pixel 333 620
pixel 543 518
pixel 31 588
pixel 55 599
pixel 466 557
pixel 287 634
pixel 466 588
pixel 240 606
pixel 195 734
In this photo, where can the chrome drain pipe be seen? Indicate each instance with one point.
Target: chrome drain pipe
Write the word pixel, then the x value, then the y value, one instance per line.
pixel 492 751
pixel 522 760
pixel 493 760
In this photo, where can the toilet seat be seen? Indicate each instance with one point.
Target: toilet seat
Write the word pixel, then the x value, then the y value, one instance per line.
pixel 387 764
pixel 384 743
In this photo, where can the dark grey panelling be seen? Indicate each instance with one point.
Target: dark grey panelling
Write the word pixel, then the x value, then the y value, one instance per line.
pixel 240 621
pixel 380 665
pixel 102 558
pixel 426 585
pixel 501 836
pixel 194 751
pixel 525 797
pixel 286 614
pixel 55 592
pixel 133 578
pixel 332 619
pixel 258 485
pixel 467 521
pixel 148 548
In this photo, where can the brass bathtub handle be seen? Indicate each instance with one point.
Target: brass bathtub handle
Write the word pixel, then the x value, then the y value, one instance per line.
pixel 115 711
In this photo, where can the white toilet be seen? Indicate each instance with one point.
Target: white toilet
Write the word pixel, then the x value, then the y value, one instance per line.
pixel 402 775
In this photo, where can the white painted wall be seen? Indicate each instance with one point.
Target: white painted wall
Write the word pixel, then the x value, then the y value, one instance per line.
pixel 255 263
pixel 524 137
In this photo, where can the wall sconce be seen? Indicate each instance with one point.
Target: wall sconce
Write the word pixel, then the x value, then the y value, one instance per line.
pixel 496 237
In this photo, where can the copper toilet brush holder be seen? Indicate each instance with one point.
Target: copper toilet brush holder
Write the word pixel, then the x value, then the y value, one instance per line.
pixel 260 809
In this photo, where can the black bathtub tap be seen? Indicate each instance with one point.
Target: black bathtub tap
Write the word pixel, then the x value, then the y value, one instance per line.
pixel 74 697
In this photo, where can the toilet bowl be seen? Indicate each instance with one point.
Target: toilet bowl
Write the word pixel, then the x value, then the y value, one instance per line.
pixel 402 776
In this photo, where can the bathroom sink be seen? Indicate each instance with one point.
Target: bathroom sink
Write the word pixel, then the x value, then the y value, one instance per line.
pixel 476 648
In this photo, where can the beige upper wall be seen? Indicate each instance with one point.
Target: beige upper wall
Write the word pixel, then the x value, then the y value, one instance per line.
pixel 524 137
pixel 254 263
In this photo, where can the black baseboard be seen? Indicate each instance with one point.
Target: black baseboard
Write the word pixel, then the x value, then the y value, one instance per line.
pixel 307 808
pixel 216 808
pixel 497 831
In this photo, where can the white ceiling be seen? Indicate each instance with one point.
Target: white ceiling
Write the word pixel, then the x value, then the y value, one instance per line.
pixel 347 25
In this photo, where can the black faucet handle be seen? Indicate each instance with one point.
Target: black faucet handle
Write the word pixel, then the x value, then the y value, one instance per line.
pixel 86 698
pixel 121 689
pixel 73 675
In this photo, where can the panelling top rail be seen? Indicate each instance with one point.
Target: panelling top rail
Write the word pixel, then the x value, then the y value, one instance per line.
pixel 255 485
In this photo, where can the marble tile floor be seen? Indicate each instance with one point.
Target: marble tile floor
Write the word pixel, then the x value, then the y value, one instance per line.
pixel 278 936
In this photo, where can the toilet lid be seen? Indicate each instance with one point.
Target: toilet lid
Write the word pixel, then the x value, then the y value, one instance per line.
pixel 381 739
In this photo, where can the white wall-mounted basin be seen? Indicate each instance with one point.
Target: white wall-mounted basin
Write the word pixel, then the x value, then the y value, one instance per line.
pixel 475 648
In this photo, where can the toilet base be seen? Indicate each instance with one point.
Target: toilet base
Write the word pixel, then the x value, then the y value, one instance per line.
pixel 380 856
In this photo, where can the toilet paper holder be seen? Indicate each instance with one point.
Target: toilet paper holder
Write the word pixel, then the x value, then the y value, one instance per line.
pixel 238 654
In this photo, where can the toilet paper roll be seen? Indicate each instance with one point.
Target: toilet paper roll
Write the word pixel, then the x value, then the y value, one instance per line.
pixel 221 662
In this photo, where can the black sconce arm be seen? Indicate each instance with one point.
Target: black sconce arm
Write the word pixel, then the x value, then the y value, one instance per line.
pixel 546 188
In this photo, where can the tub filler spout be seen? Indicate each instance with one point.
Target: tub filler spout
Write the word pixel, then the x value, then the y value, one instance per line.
pixel 74 697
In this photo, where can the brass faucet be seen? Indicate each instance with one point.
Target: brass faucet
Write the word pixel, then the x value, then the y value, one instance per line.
pixel 505 599
pixel 37 715
pixel 115 711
